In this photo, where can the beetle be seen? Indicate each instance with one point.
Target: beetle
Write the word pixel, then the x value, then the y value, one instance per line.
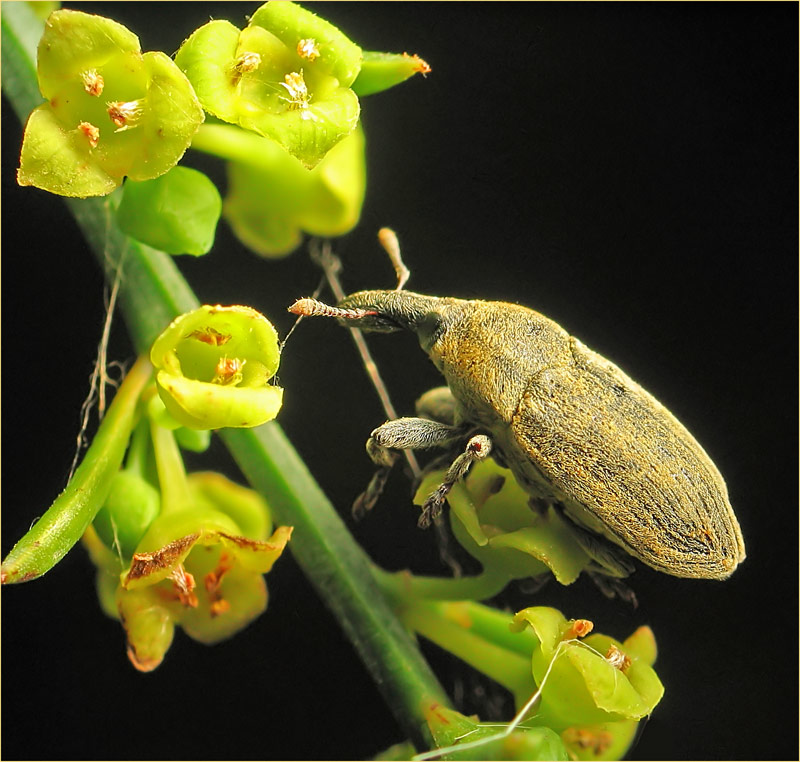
pixel 575 431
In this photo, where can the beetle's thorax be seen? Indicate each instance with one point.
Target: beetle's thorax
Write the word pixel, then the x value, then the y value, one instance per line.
pixel 489 353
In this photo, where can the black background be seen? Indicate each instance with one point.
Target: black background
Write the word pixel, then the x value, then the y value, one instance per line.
pixel 627 169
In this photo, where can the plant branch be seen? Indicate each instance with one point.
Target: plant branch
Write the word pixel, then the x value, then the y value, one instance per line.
pixel 153 292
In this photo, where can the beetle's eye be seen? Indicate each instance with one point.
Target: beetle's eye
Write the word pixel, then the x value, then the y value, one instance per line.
pixel 429 328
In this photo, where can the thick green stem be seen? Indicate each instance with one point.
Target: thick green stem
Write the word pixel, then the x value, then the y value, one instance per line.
pixel 431 620
pixel 402 586
pixel 171 472
pixel 61 527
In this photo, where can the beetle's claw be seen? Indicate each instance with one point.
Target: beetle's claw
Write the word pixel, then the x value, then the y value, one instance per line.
pixel 613 587
pixel 433 506
pixel 367 499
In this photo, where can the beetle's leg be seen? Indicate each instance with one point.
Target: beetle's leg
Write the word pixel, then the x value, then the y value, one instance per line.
pixel 437 404
pixel 612 587
pixel 612 560
pixel 477 449
pixel 400 434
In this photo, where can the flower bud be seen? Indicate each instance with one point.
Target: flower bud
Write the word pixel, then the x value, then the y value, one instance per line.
pixel 130 508
pixel 272 199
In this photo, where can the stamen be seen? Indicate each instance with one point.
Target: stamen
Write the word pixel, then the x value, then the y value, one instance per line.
pixel 299 97
pixel 580 628
pixel 617 658
pixel 92 133
pixel 183 582
pixel 210 336
pixel 92 82
pixel 228 371
pixel 308 49
pixel 244 64
pixel 124 113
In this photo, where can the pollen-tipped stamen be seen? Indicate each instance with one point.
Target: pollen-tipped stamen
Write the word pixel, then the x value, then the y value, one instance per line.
pixel 124 114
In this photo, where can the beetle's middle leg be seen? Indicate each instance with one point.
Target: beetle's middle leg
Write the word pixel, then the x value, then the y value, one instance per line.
pixel 400 434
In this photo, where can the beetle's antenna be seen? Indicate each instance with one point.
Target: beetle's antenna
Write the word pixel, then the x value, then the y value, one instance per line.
pixel 388 239
pixel 331 265
pixel 309 307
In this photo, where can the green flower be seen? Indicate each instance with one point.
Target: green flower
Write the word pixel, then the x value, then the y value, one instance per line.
pixel 286 76
pixel 272 199
pixel 589 680
pixel 213 366
pixel 492 520
pixel 199 567
pixel 111 111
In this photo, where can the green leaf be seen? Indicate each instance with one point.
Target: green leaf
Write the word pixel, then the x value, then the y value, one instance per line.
pixel 176 212
pixel 50 538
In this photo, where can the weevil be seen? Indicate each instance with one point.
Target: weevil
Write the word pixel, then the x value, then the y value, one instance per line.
pixel 575 431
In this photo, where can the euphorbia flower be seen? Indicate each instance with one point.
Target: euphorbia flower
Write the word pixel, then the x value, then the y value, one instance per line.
pixel 287 76
pixel 491 517
pixel 213 366
pixel 111 111
pixel 199 567
pixel 589 679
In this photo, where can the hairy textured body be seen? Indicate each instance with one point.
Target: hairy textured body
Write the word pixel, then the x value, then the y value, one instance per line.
pixel 573 428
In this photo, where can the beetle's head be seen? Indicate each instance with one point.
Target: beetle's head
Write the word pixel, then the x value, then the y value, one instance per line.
pixel 386 312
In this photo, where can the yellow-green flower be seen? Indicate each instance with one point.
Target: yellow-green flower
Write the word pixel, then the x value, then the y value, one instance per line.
pixel 286 76
pixel 587 680
pixel 492 519
pixel 110 110
pixel 213 367
pixel 199 567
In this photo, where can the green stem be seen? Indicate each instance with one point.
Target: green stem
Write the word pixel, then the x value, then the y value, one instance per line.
pixel 404 586
pixel 139 448
pixel 74 509
pixel 232 143
pixel 153 292
pixel 175 493
pixel 434 622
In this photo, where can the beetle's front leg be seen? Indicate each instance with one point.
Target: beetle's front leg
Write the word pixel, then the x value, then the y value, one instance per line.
pixel 400 434
pixel 478 448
